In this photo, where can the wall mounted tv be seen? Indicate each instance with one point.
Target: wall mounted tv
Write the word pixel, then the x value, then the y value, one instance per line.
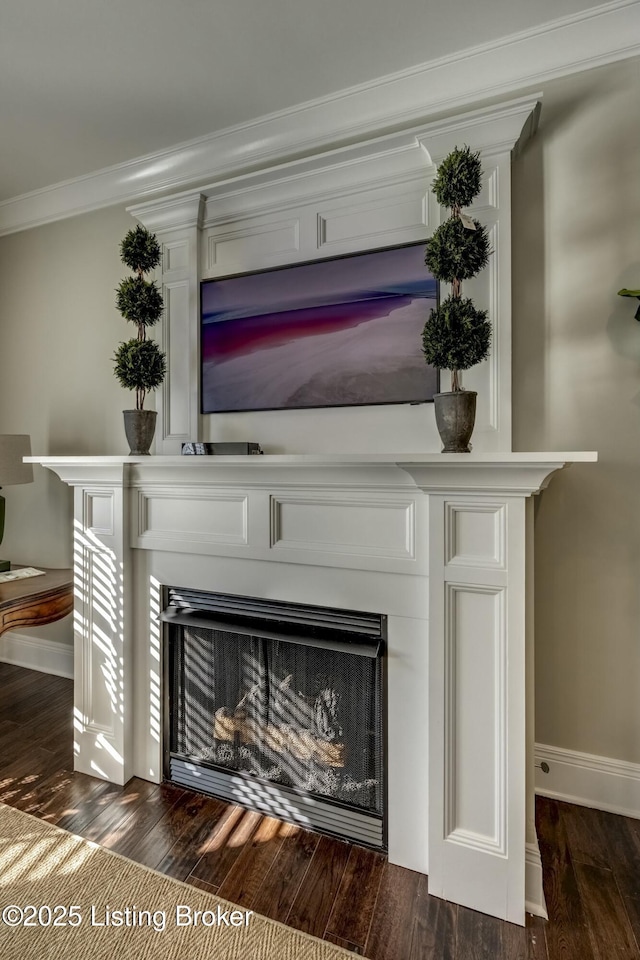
pixel 329 333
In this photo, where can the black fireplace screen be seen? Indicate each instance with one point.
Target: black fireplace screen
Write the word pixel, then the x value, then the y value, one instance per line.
pixel 301 716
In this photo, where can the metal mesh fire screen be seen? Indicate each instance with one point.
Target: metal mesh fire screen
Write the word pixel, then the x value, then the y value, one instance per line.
pixel 280 703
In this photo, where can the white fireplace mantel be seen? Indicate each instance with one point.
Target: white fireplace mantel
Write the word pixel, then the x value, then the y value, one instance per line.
pixel 442 545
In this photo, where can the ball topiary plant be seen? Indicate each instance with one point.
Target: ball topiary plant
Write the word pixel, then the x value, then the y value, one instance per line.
pixel 457 335
pixel 140 364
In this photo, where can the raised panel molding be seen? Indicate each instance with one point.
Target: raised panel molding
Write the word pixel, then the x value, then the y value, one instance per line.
pixel 369 176
pixel 176 390
pixel 475 535
pixel 101 700
pixel 229 250
pixel 192 516
pixel 499 330
pixel 372 528
pixel 98 512
pixel 175 257
pixel 475 717
pixel 375 218
pixel 492 195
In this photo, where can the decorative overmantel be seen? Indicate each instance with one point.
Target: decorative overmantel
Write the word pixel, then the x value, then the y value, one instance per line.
pixel 441 545
pixel 370 194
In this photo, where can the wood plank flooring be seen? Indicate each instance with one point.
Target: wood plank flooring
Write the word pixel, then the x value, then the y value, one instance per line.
pixel 344 894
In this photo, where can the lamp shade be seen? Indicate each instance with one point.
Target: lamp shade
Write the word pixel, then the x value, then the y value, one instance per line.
pixel 13 447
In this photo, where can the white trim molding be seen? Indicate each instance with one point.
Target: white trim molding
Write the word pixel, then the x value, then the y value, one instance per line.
pixel 36 653
pixel 590 38
pixel 534 901
pixel 589 780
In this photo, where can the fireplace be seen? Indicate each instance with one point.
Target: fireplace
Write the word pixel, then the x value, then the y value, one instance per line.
pixel 278 707
pixel 442 546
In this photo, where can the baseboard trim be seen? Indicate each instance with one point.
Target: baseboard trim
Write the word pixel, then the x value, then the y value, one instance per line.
pixel 47 656
pixel 588 780
pixel 534 901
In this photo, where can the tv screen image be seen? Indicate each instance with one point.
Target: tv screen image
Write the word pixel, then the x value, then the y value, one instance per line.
pixel 339 332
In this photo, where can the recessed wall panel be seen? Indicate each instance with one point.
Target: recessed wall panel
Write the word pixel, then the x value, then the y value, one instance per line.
pixel 381 529
pixel 102 678
pixel 237 250
pixel 475 534
pixel 216 519
pixel 98 512
pixel 175 256
pixel 475 717
pixel 177 386
pixel 335 226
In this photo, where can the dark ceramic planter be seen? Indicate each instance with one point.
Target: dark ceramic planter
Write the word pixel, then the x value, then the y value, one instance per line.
pixel 139 426
pixel 455 418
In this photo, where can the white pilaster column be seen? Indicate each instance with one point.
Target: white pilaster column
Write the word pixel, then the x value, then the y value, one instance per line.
pixel 103 678
pixel 477 697
pixel 480 553
pixel 177 224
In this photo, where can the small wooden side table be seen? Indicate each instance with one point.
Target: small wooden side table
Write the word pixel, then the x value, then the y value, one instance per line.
pixel 36 600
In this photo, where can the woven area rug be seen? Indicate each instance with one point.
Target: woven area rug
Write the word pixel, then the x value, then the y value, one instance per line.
pixel 64 897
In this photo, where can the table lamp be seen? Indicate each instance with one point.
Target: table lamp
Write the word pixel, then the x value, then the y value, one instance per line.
pixel 13 447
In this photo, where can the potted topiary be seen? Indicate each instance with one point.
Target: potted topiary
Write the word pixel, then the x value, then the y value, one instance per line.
pixel 140 364
pixel 457 335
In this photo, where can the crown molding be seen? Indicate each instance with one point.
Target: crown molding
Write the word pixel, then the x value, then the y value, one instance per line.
pixel 588 39
pixel 172 213
pixel 492 130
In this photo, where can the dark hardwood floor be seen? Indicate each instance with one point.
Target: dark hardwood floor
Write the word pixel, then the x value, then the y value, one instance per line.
pixel 347 895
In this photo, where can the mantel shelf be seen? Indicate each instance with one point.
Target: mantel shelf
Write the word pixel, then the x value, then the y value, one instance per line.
pixel 333 459
pixel 520 474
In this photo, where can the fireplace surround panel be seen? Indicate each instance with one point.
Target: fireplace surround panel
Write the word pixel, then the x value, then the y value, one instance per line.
pixel 448 565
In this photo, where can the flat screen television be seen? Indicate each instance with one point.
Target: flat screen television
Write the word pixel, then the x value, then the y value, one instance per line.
pixel 329 333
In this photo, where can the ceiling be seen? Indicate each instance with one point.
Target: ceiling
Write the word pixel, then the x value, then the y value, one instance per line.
pixel 87 85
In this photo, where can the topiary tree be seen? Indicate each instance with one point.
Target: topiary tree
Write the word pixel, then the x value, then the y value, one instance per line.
pixel 140 364
pixel 457 335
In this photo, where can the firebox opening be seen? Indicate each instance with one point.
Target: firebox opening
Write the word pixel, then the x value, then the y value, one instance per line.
pixel 282 713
